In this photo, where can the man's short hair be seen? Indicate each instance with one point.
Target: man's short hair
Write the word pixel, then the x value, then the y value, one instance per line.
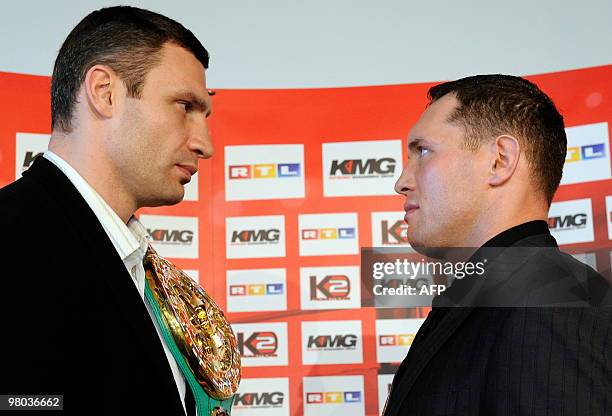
pixel 127 39
pixel 492 105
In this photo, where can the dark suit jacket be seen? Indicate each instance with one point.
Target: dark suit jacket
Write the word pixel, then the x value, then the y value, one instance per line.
pixel 488 360
pixel 74 323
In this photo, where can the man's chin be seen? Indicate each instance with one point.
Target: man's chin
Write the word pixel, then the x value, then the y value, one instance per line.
pixel 168 199
pixel 425 246
pixel 431 252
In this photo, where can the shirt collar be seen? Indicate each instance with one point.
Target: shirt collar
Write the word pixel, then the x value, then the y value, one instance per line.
pixel 125 238
pixel 512 235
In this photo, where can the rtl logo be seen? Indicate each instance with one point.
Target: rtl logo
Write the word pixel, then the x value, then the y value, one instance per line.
pixel 256 289
pixel 258 344
pixel 401 340
pixel 332 287
pixel 270 236
pixel 265 171
pixel 28 159
pixel 358 167
pixel 330 342
pixel 590 151
pixel 274 399
pixel 328 233
pixel 333 397
pixel 171 236
pixel 395 234
pixel 567 222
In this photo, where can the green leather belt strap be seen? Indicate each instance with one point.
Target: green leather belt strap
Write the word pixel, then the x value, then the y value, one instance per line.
pixel 205 404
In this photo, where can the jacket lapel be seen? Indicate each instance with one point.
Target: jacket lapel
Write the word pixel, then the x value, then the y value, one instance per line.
pixel 469 295
pixel 418 358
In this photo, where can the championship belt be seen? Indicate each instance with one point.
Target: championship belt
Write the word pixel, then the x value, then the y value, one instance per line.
pixel 197 333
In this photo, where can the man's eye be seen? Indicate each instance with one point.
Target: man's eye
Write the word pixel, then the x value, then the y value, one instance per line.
pixel 187 106
pixel 422 151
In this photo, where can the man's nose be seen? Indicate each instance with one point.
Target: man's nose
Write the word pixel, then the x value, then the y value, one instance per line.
pixel 405 183
pixel 199 140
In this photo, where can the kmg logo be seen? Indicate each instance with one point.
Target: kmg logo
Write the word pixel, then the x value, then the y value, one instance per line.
pixel 171 236
pixel 567 222
pixel 258 344
pixel 265 171
pixel 333 397
pixel 259 400
pixel 28 159
pixel 586 152
pixel 364 168
pixel 401 340
pixel 328 233
pixel 257 289
pixel 270 236
pixel 329 342
pixel 332 287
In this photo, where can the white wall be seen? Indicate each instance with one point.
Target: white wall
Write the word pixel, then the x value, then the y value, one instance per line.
pixel 322 43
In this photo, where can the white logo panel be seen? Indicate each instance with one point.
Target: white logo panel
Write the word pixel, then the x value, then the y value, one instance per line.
pixel 191 189
pixel 389 229
pixel 588 154
pixel 193 274
pixel 27 147
pixel 331 342
pixel 361 168
pixel 590 259
pixel 384 388
pixel 175 237
pixel 328 234
pixel 252 237
pixel 256 290
pixel 571 221
pixel 330 287
pixel 334 395
pixel 394 338
pixel 264 172
pixel 262 344
pixel 262 397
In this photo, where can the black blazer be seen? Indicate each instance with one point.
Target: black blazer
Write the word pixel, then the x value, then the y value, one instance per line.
pixel 74 322
pixel 513 361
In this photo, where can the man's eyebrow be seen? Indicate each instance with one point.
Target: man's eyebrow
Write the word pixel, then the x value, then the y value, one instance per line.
pixel 199 103
pixel 415 143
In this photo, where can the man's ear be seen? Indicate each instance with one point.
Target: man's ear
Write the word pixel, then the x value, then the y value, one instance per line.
pixel 101 89
pixel 505 151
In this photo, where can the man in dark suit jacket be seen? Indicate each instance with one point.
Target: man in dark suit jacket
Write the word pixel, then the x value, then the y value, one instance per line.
pixel 129 113
pixel 532 336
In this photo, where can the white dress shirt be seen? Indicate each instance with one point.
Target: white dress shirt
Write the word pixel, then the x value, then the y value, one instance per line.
pixel 129 240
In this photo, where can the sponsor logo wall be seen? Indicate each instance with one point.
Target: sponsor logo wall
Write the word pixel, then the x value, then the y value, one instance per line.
pixel 175 237
pixel 330 287
pixel 272 225
pixel 328 234
pixel 252 237
pixel 262 396
pixel 384 388
pixel 332 342
pixel 334 395
pixel 256 290
pixel 262 344
pixel 394 338
pixel 571 221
